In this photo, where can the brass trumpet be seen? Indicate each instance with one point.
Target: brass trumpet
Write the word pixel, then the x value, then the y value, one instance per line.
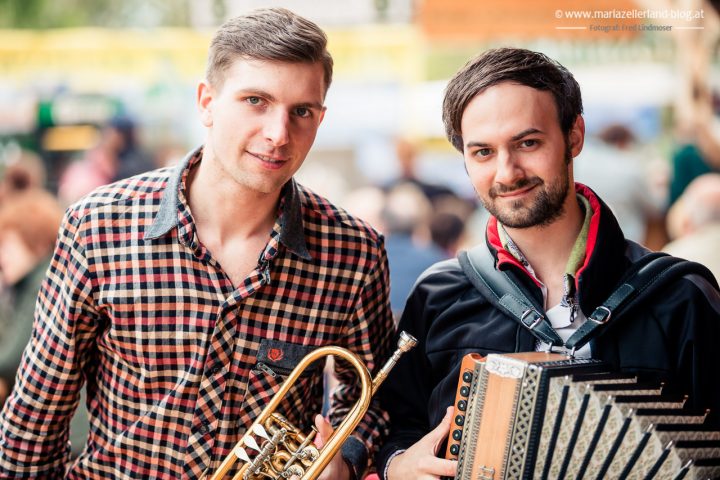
pixel 282 450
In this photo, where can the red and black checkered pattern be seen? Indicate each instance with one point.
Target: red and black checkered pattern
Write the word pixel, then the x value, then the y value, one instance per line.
pixel 137 308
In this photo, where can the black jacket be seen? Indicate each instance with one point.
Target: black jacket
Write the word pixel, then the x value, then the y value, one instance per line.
pixel 672 336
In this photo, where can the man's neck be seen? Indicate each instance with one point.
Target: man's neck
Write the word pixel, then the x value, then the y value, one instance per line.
pixel 547 248
pixel 223 209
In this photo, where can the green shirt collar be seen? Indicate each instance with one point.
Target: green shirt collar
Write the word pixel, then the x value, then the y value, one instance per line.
pixel 577 254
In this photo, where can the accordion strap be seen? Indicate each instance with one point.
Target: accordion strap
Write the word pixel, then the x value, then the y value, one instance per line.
pixel 478 264
pixel 645 276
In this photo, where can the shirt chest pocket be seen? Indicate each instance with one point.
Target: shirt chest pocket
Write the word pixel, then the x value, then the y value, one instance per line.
pixel 274 362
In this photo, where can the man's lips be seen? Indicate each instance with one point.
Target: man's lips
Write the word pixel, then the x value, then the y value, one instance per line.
pixel 516 193
pixel 275 160
pixel 513 191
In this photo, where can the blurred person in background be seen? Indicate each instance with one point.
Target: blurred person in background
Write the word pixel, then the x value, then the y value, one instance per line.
pixel 116 156
pixel 447 231
pixel 449 223
pixel 29 222
pixel 405 221
pixel 23 170
pixel 182 297
pixel 613 167
pixel 699 152
pixel 132 158
pixel 367 204
pixel 406 153
pixel 97 167
pixel 694 223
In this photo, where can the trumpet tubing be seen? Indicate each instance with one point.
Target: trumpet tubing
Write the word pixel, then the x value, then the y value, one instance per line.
pixel 280 449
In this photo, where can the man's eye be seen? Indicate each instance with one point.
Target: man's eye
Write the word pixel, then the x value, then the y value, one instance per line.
pixel 529 143
pixel 483 152
pixel 253 100
pixel 302 112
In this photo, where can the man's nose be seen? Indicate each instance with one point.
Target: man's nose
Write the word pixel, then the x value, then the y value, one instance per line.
pixel 507 170
pixel 277 128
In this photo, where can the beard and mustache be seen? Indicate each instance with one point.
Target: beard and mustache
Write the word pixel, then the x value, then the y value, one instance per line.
pixel 547 207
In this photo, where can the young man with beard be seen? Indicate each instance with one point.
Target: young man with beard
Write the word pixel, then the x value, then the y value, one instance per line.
pixel 516 117
pixel 183 296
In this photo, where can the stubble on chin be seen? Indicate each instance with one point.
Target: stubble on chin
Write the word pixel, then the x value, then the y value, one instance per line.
pixel 543 210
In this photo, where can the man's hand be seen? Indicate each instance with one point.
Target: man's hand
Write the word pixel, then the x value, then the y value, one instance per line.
pixel 420 461
pixel 337 469
pixel 4 391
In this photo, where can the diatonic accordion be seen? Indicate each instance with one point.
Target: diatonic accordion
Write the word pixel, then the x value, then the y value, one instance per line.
pixel 541 415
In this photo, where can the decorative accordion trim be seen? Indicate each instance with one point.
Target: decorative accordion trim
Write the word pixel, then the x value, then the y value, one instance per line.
pixel 545 415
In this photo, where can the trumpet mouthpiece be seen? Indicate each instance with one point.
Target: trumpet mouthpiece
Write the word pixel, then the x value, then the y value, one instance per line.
pixel 406 341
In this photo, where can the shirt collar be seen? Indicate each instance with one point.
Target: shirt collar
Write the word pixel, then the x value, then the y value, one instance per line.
pixel 173 211
pixel 292 233
pixel 577 254
pixel 167 215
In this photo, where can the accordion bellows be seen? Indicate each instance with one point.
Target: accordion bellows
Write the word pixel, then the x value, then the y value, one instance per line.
pixel 541 415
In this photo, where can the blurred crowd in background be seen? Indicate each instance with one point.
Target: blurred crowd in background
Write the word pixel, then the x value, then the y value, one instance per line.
pixel 652 110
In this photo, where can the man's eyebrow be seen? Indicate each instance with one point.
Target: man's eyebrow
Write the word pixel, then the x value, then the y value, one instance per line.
pixel 477 144
pixel 524 133
pixel 315 105
pixel 256 92
pixel 270 97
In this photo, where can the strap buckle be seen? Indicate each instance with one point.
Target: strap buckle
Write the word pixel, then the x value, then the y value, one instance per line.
pixel 537 320
pixel 604 317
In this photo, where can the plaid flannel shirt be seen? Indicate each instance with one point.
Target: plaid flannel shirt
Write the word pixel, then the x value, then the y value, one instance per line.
pixel 175 358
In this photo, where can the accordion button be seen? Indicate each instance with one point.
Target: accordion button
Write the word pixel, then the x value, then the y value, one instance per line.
pixel 455 449
pixel 459 420
pixel 457 435
pixel 462 405
pixel 464 391
pixel 467 377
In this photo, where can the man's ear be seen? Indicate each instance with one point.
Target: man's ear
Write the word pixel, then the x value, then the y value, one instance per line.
pixel 205 95
pixel 577 136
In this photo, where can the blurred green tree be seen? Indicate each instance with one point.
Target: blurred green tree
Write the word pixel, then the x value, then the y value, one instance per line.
pixel 44 14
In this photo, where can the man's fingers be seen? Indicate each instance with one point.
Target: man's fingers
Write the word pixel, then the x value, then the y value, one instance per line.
pixel 325 430
pixel 440 433
pixel 441 467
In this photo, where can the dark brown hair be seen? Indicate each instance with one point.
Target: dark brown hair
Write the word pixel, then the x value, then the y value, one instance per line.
pixel 268 34
pixel 515 65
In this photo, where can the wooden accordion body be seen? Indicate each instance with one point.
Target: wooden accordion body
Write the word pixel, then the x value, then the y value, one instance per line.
pixel 541 415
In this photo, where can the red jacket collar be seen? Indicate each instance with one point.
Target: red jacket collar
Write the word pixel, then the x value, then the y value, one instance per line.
pixel 505 258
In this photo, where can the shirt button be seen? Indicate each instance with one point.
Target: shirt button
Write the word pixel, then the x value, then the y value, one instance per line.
pixel 204 428
pixel 214 370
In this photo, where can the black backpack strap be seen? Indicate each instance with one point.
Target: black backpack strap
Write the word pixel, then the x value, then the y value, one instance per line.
pixel 478 264
pixel 647 275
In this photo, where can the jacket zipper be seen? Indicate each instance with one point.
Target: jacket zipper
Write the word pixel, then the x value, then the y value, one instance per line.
pixel 262 367
pixel 568 299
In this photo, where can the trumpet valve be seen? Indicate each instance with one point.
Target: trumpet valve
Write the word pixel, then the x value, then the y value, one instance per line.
pixel 309 454
pixel 260 432
pixel 250 442
pixel 241 454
